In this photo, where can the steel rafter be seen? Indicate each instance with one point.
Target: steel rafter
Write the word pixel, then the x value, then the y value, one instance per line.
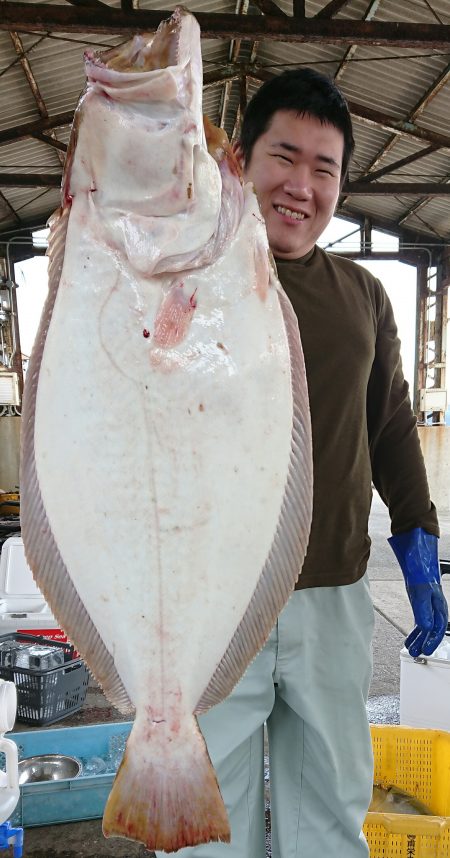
pixel 434 189
pixel 53 180
pixel 268 7
pixel 429 95
pixel 42 17
pixel 397 165
pixel 30 129
pixel 233 55
pixel 419 108
pixel 86 3
pixel 350 52
pixel 331 9
pixel 298 8
pixel 31 80
pixel 398 126
pixel 420 204
pixel 7 205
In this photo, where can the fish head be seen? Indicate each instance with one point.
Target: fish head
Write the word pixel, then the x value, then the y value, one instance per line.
pixel 138 146
pixel 171 46
pixel 129 72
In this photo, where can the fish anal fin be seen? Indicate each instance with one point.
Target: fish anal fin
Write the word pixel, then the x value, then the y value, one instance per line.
pixel 165 794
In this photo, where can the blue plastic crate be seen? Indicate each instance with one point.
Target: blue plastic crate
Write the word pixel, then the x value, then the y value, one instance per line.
pixel 72 799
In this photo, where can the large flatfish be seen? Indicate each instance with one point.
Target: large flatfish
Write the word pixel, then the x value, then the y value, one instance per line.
pixel 166 456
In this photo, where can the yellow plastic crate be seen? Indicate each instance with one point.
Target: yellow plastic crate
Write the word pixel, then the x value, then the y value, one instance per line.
pixel 418 762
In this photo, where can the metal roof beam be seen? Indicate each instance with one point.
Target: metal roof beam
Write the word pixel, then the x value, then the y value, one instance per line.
pixel 6 205
pixel 42 17
pixel 431 93
pixel 365 114
pixel 411 257
pixel 29 129
pixel 26 68
pixel 243 97
pixel 434 189
pixel 350 52
pixel 407 235
pixel 397 126
pixel 392 168
pixel 32 83
pixel 298 8
pixel 215 78
pixel 87 3
pixel 420 204
pixel 53 180
pixel 268 7
pixel 52 141
pixel 421 105
pixel 233 56
pixel 30 180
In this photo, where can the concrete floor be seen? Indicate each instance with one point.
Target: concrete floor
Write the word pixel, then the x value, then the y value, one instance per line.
pixel 393 622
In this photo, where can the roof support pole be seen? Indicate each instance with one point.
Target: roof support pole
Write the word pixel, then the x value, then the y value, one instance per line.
pixel 421 337
pixel 440 334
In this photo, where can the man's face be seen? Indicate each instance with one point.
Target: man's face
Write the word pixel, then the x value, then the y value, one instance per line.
pixel 295 167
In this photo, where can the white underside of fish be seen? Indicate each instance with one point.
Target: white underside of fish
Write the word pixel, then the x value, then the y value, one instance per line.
pixel 170 467
pixel 166 464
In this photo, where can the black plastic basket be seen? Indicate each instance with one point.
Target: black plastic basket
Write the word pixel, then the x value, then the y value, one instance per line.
pixel 46 696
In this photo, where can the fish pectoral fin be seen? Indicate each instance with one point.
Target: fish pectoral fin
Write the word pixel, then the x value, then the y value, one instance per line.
pixel 165 794
pixel 174 315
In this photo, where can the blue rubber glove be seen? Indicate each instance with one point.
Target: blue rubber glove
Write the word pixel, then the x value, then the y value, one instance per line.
pixel 417 554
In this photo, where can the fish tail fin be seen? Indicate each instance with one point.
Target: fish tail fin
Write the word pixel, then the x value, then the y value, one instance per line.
pixel 165 794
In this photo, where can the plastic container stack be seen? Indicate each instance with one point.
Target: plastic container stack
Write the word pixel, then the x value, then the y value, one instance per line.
pixel 50 683
pixel 418 763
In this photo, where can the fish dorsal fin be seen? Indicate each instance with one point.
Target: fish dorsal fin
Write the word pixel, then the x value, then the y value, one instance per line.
pixel 41 550
pixel 290 541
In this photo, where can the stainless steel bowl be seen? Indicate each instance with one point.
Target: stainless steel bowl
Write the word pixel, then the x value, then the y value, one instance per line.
pixel 48 767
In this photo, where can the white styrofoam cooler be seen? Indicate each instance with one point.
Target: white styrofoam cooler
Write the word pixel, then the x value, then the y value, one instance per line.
pixel 22 605
pixel 425 690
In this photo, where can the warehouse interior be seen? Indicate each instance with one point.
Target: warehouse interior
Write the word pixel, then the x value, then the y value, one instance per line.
pixel 391 60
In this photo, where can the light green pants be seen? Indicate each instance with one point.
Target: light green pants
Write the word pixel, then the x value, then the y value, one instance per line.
pixel 310 685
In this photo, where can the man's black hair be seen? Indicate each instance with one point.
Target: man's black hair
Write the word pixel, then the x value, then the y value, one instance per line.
pixel 305 92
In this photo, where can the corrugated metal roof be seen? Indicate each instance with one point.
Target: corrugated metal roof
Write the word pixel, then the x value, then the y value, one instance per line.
pixel 278 56
pixel 32 155
pixel 389 208
pixel 421 11
pixel 387 80
pixel 391 82
pixel 436 116
pixel 369 142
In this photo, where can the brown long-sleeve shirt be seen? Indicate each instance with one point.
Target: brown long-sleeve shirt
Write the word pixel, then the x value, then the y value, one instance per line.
pixel 363 427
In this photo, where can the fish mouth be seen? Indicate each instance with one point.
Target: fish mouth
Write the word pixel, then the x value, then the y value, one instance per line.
pixel 146 52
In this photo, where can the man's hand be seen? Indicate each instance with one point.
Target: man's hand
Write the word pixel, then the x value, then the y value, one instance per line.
pixel 417 554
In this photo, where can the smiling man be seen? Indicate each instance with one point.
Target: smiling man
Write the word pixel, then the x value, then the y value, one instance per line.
pixel 296 169
pixel 310 682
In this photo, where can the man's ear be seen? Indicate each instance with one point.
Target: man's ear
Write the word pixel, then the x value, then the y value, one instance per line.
pixel 238 153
